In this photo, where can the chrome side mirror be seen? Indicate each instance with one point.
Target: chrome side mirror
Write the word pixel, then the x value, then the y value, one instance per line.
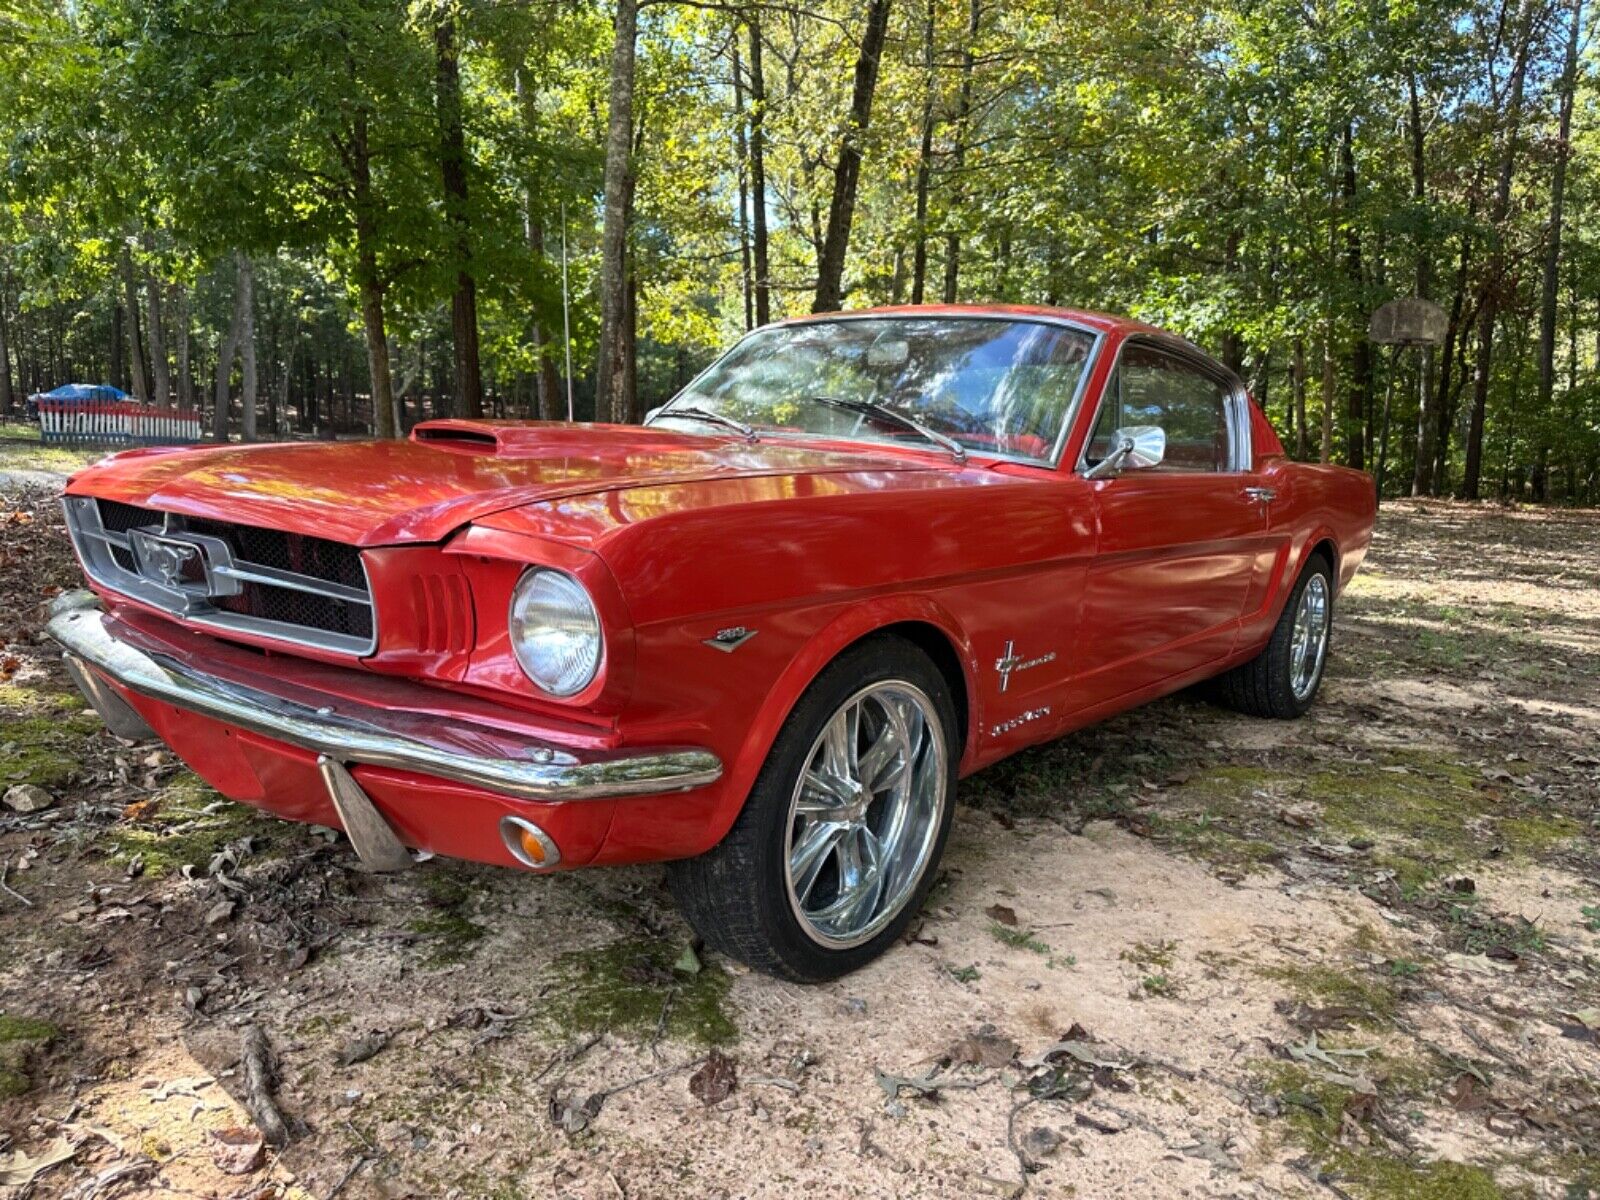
pixel 1133 448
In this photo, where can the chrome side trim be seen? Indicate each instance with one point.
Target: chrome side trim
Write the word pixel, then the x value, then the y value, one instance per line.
pixel 224 576
pixel 442 748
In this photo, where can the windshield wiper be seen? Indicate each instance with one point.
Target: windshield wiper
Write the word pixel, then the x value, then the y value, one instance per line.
pixel 710 417
pixel 872 408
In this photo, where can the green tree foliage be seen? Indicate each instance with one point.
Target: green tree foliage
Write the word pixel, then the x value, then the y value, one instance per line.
pixel 1257 176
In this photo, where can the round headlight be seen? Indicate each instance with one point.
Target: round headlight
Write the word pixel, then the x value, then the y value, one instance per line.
pixel 555 631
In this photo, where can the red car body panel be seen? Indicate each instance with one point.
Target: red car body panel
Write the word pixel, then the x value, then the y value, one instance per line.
pixel 1123 589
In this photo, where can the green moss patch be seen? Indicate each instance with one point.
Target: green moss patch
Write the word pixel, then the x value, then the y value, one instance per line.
pixel 450 932
pixel 1313 1115
pixel 1210 837
pixel 44 750
pixel 630 986
pixel 1349 988
pixel 1427 815
pixel 21 1041
pixel 175 829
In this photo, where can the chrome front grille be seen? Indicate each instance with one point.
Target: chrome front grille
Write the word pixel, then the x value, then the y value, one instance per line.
pixel 228 576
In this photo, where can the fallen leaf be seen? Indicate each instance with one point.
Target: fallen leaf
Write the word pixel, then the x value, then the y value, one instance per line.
pixel 17 1169
pixel 1310 1051
pixel 1084 1052
pixel 1040 1142
pixel 238 1150
pixel 714 1082
pixel 362 1048
pixel 1467 1093
pixel 929 1085
pixel 572 1117
pixel 1589 1018
pixel 1100 1124
pixel 984 1048
pixel 688 962
pixel 1002 915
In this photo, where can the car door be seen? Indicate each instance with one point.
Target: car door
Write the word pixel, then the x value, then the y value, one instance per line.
pixel 1177 543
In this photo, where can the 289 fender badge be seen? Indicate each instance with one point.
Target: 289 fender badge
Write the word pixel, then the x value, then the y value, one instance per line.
pixel 729 640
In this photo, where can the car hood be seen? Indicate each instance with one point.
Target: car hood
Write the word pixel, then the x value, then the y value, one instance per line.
pixel 449 473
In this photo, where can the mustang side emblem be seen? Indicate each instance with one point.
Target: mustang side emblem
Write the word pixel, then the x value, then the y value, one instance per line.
pixel 1009 662
pixel 729 640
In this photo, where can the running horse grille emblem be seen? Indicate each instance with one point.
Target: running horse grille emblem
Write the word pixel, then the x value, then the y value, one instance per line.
pixel 172 564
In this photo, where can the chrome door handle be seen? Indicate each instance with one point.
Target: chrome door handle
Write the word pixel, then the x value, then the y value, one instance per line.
pixel 1263 495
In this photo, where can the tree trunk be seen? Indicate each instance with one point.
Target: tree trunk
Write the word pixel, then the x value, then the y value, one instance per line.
pixel 160 372
pixel 369 282
pixel 1427 416
pixel 1361 350
pixel 952 240
pixel 1488 307
pixel 1430 478
pixel 550 402
pixel 1299 372
pixel 611 393
pixel 247 350
pixel 741 150
pixel 118 378
pixel 181 320
pixel 1329 384
pixel 758 178
pixel 7 397
pixel 453 170
pixel 1552 247
pixel 141 387
pixel 552 405
pixel 220 416
pixel 847 172
pixel 919 253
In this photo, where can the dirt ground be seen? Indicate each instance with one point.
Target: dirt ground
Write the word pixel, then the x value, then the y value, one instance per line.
pixel 1182 954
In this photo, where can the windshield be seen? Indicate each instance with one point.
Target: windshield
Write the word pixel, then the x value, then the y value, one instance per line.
pixel 994 386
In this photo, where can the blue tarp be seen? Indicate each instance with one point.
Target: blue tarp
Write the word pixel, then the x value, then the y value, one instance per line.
pixel 102 393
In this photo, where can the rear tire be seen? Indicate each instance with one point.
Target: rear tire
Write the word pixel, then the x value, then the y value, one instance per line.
pixel 837 843
pixel 1282 681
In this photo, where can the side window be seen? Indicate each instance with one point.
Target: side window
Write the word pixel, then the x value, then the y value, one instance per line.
pixel 1152 387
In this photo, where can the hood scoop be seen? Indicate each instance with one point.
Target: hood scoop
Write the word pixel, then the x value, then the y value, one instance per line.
pixel 518 439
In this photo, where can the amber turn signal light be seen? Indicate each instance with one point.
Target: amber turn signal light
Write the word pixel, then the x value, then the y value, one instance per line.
pixel 529 845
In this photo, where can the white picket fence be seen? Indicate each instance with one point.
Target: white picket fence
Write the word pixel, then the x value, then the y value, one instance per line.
pixel 120 423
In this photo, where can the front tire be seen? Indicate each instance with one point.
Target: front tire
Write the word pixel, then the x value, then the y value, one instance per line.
pixel 1282 681
pixel 835 848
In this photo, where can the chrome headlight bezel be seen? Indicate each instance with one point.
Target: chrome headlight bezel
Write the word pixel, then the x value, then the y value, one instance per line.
pixel 555 631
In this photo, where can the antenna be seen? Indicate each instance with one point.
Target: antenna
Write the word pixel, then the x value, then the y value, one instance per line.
pixel 566 311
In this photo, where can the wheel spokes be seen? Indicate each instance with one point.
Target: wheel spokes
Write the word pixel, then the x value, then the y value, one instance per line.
pixel 811 853
pixel 881 764
pixel 860 881
pixel 865 813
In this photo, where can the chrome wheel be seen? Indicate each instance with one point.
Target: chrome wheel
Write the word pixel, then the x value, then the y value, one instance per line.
pixel 1308 644
pixel 865 814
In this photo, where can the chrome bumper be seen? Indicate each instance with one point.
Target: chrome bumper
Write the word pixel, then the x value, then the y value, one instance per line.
pixel 443 748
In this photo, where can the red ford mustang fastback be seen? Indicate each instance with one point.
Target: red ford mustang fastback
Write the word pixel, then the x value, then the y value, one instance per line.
pixel 761 637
